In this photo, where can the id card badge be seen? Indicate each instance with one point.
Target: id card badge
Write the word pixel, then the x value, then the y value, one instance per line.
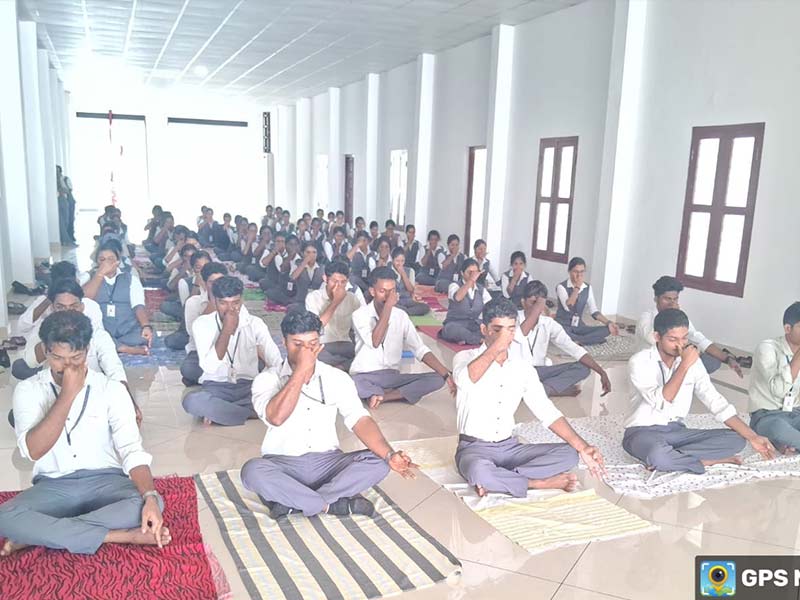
pixel 290 285
pixel 455 277
pixel 232 375
pixel 431 272
pixel 363 273
pixel 788 401
pixel 111 311
pixel 253 260
pixel 576 320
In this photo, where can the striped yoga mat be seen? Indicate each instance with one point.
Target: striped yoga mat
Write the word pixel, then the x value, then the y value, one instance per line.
pixel 323 557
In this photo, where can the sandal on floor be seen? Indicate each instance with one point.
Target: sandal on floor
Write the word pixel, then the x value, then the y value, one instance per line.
pixel 8 345
pixel 18 340
pixel 15 308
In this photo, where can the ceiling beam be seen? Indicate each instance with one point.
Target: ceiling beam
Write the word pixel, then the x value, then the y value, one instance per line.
pixel 167 41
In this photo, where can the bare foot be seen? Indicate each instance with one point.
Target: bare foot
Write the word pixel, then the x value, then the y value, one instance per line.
pixel 571 391
pixel 480 490
pixel 733 460
pixel 375 401
pixel 10 548
pixel 207 421
pixel 565 481
pixel 787 450
pixel 135 536
pixel 141 350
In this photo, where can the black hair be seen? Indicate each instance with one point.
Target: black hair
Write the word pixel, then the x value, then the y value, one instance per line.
pixel 186 248
pixel 156 207
pixel 362 234
pixel 292 238
pixel 390 222
pixel 670 319
pixel 383 239
pixel 499 308
pixel 452 238
pixel 322 210
pixel 468 263
pixel 667 283
pixel 227 287
pixel 305 214
pixel 330 212
pixel 263 229
pixel 212 268
pixel 574 262
pixel 434 232
pixel 197 256
pixel 300 221
pixel 518 254
pixel 478 243
pixel 226 215
pixel 792 314
pixel 339 212
pixel 192 235
pixel 111 246
pixel 316 220
pixel 66 327
pixel 373 224
pixel 64 286
pixel 337 266
pixel 63 270
pixel 409 227
pixel 166 215
pixel 307 245
pixel 381 273
pixel 339 230
pixel 280 234
pixel 180 230
pixel 535 289
pixel 398 251
pixel 359 219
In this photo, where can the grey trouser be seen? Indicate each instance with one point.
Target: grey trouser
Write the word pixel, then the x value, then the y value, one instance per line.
pixel 177 340
pixel 587 335
pixel 172 308
pixel 190 368
pixel 222 403
pixel 710 363
pixel 781 427
pixel 558 378
pixel 312 481
pixel 673 447
pixel 462 332
pixel 508 465
pixel 413 386
pixel 424 278
pixel 442 285
pixel 414 309
pixel 74 512
pixel 338 354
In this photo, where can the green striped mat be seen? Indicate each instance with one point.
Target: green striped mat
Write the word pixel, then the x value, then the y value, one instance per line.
pixel 424 320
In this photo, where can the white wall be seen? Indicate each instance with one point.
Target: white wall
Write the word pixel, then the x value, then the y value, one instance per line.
pixel 320 129
pixel 711 62
pixel 560 87
pixel 398 99
pixel 461 101
pixel 354 139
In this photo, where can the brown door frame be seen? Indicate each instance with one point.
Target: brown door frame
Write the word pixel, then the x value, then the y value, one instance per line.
pixel 470 174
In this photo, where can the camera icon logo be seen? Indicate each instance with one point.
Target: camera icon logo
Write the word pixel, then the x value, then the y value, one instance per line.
pixel 717 579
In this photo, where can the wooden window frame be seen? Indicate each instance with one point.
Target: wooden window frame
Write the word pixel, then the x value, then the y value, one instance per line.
pixel 558 144
pixel 470 175
pixel 726 134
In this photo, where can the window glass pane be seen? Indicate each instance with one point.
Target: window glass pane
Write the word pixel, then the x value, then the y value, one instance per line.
pixel 547 172
pixel 696 247
pixel 739 174
pixel 730 248
pixel 565 174
pixel 543 227
pixel 706 168
pixel 560 235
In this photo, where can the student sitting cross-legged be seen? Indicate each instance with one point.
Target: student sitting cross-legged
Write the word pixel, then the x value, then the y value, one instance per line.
pixel 302 468
pixel 431 260
pixel 491 381
pixel 535 331
pixel 775 385
pixel 408 300
pixel 664 379
pixel 335 304
pixel 574 296
pixel 450 266
pixel 230 343
pixel 467 299
pixel 91 477
pixel 383 331
pixel 667 291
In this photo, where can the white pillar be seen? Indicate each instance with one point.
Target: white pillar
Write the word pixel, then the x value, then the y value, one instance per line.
pixel 14 199
pixel 285 158
pixel 335 160
pixel 62 123
pixel 423 122
pixel 55 108
pixel 48 143
pixel 304 162
pixel 34 148
pixel 498 135
pixel 370 209
pixel 617 172
pixel 67 136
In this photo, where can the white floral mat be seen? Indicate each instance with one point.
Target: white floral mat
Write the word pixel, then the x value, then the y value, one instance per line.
pixel 626 475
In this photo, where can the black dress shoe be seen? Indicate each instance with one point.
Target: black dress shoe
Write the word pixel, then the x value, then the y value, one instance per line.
pixel 5 361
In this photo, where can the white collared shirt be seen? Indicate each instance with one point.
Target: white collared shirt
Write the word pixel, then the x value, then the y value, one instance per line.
pixel 101 356
pixel 492 276
pixel 195 306
pixel 338 328
pixel 563 296
pixel 400 335
pixel 649 375
pixel 29 329
pixel 184 290
pixel 505 280
pixel 454 287
pixel 485 408
pixel 105 437
pixel 137 291
pixel 533 347
pixel 241 359
pixel 312 425
pixel 771 378
pixel 646 338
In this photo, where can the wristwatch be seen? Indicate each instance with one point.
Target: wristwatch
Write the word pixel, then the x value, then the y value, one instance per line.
pixel 389 455
pixel 446 375
pixel 152 494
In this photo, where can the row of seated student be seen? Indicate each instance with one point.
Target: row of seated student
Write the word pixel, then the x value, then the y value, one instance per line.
pixel 344 348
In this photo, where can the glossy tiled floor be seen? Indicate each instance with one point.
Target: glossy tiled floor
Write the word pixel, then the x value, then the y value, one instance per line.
pixel 757 518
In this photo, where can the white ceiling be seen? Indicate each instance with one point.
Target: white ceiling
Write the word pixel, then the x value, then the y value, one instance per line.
pixel 265 50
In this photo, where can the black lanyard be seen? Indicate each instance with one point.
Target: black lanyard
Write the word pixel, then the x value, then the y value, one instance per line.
pixel 80 415
pixel 663 375
pixel 235 345
pixel 113 288
pixel 321 393
pixel 533 345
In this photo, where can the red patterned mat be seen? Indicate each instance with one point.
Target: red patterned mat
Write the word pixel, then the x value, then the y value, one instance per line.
pixel 270 306
pixel 433 331
pixel 154 298
pixel 180 570
pixel 434 303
